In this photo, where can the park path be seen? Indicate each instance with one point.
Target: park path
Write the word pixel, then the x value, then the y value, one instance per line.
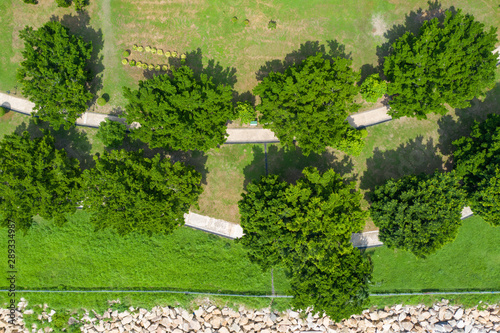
pixel 216 226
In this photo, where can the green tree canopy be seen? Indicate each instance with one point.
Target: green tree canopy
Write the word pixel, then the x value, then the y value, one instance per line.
pixel 373 88
pixel 111 133
pixel 310 103
pixel 179 111
pixel 35 179
pixel 447 62
pixel 128 192
pixel 420 213
pixel 477 160
pixel 53 74
pixel 307 228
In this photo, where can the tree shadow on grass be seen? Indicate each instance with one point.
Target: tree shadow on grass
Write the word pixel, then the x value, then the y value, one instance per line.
pixel 413 157
pixel 413 21
pixel 79 24
pixel 289 163
pixel 309 48
pixel 452 128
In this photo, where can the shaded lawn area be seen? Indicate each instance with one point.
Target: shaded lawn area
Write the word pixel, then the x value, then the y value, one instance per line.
pixel 471 262
pixel 75 257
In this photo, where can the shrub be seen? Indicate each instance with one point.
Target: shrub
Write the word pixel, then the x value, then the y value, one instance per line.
pixel 174 54
pixel 373 88
pixel 131 62
pixel 79 4
pixel 3 110
pixel 183 56
pixel 157 67
pixel 159 52
pixel 246 112
pixel 101 101
pixel 246 22
pixel 151 67
pixel 167 54
pixel 135 47
pixel 140 49
pixel 124 61
pixel 63 3
pixel 271 25
pixel 144 66
pixel 126 53
pixel 33 2
pixel 148 49
pixel 138 64
pixel 164 67
pixel 153 50
pixel 234 19
pixel 111 133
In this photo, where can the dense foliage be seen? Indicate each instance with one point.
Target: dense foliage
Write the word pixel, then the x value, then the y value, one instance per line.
pixel 35 179
pixel 307 228
pixel 128 192
pixel 373 88
pixel 420 213
pixel 111 133
pixel 447 62
pixel 246 112
pixel 310 103
pixel 477 160
pixel 53 73
pixel 179 111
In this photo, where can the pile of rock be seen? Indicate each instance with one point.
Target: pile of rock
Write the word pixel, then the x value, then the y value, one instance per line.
pixel 209 319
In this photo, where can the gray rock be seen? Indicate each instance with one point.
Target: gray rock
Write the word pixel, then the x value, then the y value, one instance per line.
pixel 223 330
pixel 459 314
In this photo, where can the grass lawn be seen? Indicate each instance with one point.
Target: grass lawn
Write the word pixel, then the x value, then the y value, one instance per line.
pixel 471 262
pixel 75 257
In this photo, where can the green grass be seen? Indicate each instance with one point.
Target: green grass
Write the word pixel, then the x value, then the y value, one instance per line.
pixel 471 262
pixel 74 257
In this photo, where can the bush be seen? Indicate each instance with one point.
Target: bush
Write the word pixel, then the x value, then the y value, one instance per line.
pixel 101 101
pixel 246 22
pixel 60 320
pixel 165 67
pixel 135 47
pixel 140 49
pixel 124 61
pixel 271 25
pixel 131 62
pixel 174 54
pixel 154 50
pixel 144 66
pixel 148 49
pixel 234 19
pixel 63 3
pixel 33 2
pixel 126 53
pixel 373 88
pixel 79 4
pixel 246 112
pixel 151 67
pixel 183 56
pixel 159 52
pixel 111 133
pixel 157 67
pixel 167 54
pixel 138 64
pixel 3 110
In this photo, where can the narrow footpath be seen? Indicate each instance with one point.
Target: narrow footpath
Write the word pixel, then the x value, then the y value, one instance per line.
pixel 235 136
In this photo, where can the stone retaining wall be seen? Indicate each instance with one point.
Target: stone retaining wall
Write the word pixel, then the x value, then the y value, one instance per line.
pixel 209 319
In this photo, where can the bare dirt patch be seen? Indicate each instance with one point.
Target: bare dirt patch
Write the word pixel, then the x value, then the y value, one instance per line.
pixel 379 25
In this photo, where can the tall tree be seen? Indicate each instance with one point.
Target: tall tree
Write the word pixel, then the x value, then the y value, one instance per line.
pixel 35 179
pixel 310 103
pixel 420 213
pixel 179 111
pixel 477 160
pixel 447 62
pixel 128 192
pixel 307 228
pixel 53 73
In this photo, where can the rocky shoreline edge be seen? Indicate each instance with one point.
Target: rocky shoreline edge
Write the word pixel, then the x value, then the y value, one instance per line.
pixel 441 317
